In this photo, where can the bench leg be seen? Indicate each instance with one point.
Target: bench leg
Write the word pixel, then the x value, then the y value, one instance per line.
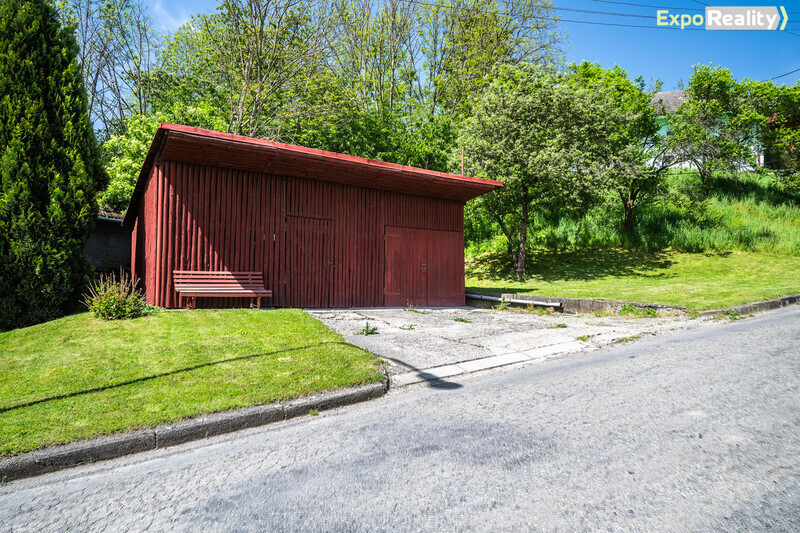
pixel 259 302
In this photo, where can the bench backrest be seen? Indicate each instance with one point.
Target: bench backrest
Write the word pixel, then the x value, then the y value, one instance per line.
pixel 218 278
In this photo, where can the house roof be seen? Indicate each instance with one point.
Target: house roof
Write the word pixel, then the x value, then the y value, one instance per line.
pixel 173 142
pixel 668 101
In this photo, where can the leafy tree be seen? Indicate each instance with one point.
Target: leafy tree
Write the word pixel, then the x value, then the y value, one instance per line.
pixel 545 138
pixel 118 48
pixel 49 166
pixel 124 153
pixel 717 128
pixel 639 155
pixel 780 134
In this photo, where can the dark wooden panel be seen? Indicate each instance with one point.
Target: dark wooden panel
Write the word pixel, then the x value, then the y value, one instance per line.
pixel 405 271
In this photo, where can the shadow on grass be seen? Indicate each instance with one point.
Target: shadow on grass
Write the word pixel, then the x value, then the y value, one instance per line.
pixel 579 265
pixel 161 375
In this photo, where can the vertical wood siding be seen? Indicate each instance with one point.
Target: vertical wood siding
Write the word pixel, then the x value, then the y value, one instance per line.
pixel 317 243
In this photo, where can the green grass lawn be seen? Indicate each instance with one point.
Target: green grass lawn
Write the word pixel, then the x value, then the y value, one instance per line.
pixel 78 377
pixel 698 281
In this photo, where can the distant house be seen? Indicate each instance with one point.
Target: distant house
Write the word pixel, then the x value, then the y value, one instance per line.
pixel 666 102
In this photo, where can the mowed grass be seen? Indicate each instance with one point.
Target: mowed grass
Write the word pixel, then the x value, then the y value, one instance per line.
pixel 695 280
pixel 78 377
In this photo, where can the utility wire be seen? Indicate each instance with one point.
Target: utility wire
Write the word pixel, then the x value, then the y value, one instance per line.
pixel 647 5
pixel 595 23
pixel 782 75
pixel 602 12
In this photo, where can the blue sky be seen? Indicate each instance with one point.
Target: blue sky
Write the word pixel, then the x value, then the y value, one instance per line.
pixel 653 53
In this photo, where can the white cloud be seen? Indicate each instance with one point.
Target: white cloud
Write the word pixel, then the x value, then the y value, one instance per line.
pixel 166 21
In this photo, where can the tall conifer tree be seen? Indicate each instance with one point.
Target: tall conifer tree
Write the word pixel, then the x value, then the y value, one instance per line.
pixel 49 166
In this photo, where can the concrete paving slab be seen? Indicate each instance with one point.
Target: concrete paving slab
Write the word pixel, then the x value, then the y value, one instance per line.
pixel 419 343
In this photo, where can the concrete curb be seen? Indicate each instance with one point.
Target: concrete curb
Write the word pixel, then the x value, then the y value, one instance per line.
pixel 88 451
pixel 585 305
pixel 755 307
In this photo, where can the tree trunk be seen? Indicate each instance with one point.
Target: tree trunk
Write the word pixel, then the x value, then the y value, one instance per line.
pixel 519 256
pixel 628 219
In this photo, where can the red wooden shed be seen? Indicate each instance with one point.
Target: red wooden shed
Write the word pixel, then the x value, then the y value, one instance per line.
pixel 324 229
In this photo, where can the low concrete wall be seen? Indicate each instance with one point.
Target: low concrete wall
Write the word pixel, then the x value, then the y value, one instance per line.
pixel 585 305
pixel 578 305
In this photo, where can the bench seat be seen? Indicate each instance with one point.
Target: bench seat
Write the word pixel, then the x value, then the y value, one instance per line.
pixel 221 284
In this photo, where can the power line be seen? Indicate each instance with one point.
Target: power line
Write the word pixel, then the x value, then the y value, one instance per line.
pixel 594 23
pixel 783 75
pixel 602 12
pixel 629 25
pixel 647 5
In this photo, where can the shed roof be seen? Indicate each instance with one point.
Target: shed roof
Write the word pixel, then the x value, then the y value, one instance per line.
pixel 173 142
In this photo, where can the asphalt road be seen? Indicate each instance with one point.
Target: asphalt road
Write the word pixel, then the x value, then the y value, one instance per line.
pixel 698 431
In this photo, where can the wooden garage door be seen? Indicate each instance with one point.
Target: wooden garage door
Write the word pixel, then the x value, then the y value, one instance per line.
pixel 423 267
pixel 309 262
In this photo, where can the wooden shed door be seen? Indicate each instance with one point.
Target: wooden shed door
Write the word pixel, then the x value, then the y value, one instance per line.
pixel 309 262
pixel 445 268
pixel 423 267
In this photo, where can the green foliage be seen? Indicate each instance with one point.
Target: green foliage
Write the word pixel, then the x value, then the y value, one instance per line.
pixel 559 326
pixel 754 212
pixel 464 320
pixel 50 168
pixel 545 138
pixel 112 298
pixel 638 153
pixel 717 128
pixel 124 154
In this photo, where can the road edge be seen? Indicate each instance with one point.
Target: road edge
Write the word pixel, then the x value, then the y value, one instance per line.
pixel 64 456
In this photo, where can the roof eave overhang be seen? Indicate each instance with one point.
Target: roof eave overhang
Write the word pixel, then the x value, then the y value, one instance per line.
pixel 193 145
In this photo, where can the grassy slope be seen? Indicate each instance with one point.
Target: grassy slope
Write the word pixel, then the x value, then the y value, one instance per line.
pixel 698 281
pixel 78 377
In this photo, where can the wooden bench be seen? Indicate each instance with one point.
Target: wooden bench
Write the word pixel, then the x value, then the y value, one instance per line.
pixel 222 284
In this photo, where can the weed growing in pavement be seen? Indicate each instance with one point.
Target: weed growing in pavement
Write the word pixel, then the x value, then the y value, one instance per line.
pixel 629 339
pixel 408 327
pixel 368 330
pixel 600 313
pixel 464 320
pixel 503 305
pixel 313 412
pixel 728 315
pixel 583 338
pixel 559 326
pixel 541 310
pixel 412 310
pixel 694 315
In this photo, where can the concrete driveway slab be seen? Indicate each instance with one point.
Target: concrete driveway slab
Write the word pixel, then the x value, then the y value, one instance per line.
pixel 432 343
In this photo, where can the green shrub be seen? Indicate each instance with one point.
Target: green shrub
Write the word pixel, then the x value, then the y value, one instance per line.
pixel 112 298
pixel 50 168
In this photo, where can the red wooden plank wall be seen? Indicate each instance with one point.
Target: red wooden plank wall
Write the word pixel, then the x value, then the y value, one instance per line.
pixel 197 217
